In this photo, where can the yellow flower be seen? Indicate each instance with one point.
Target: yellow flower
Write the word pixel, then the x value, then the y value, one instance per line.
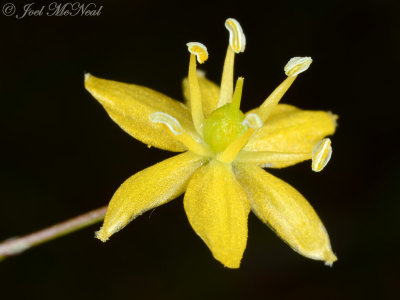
pixel 224 153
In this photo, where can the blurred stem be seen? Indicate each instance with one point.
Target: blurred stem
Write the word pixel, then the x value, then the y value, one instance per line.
pixel 17 245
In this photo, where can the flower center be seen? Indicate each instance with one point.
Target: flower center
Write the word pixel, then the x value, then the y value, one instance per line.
pixel 223 126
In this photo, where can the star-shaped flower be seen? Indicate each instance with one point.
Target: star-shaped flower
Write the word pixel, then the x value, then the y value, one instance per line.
pixel 224 151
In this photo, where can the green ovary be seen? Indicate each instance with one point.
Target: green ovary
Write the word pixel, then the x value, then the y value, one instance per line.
pixel 223 126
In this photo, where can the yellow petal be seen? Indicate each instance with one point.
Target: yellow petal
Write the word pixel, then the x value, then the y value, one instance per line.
pixel 217 209
pixel 282 108
pixel 147 189
pixel 286 211
pixel 130 106
pixel 271 159
pixel 292 130
pixel 209 93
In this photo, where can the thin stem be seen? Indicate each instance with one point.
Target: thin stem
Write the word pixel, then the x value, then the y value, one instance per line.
pixel 17 245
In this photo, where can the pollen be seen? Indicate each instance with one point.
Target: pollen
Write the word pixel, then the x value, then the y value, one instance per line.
pixel 199 50
pixel 321 155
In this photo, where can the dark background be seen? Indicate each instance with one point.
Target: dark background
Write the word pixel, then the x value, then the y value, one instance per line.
pixel 62 155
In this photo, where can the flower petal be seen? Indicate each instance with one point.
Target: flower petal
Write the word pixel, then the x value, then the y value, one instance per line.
pixel 147 189
pixel 271 159
pixel 130 106
pixel 292 130
pixel 286 211
pixel 209 93
pixel 217 209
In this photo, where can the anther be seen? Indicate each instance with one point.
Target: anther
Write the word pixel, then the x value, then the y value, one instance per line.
pixel 173 124
pixel 237 39
pixel 321 155
pixel 253 121
pixel 297 65
pixel 199 50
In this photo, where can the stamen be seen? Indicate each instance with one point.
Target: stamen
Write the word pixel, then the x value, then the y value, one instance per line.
pixel 237 95
pixel 175 127
pixel 234 148
pixel 237 39
pixel 295 66
pixel 321 155
pixel 200 51
pixel 237 44
pixel 253 121
pixel 225 95
pixel 193 146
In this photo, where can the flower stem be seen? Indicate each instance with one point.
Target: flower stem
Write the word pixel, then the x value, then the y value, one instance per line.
pixel 17 245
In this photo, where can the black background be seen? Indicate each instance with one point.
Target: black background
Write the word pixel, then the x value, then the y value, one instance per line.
pixel 62 155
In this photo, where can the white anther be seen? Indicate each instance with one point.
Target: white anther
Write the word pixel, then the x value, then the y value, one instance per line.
pixel 237 39
pixel 200 73
pixel 253 121
pixel 199 50
pixel 321 155
pixel 296 65
pixel 172 123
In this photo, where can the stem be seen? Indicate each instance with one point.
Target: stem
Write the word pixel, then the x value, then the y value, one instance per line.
pixel 17 245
